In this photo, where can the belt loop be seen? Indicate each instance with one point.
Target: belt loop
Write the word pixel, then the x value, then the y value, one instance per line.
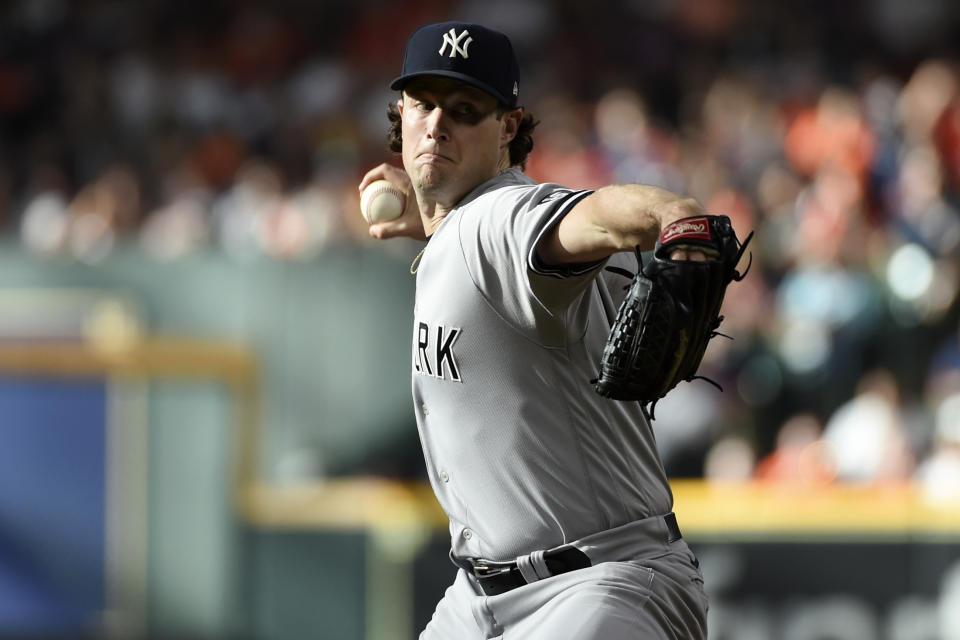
pixel 533 566
pixel 673 529
pixel 527 569
pixel 539 564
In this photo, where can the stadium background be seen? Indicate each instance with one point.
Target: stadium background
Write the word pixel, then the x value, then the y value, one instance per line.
pixel 205 429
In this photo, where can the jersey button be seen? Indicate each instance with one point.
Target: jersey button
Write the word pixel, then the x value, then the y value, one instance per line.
pixel 467 534
pixel 444 476
pixel 426 411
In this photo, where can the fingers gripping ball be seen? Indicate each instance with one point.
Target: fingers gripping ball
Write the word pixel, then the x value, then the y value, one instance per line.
pixel 380 201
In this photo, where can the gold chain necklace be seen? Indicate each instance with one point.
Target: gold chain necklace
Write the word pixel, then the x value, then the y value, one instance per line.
pixel 415 265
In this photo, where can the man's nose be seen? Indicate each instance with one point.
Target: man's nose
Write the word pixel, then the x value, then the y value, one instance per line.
pixel 437 123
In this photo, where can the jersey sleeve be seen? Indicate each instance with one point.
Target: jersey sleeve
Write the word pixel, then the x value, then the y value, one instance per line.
pixel 499 236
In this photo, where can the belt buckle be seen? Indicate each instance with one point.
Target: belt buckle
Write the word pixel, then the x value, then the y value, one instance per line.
pixel 483 569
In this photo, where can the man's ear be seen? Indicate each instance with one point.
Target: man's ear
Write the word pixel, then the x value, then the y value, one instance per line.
pixel 511 125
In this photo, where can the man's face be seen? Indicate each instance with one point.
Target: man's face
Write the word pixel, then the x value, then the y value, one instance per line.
pixel 452 137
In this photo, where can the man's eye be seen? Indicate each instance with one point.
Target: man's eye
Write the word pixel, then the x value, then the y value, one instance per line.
pixel 424 106
pixel 465 110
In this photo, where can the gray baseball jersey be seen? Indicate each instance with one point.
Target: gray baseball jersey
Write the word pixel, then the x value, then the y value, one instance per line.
pixel 521 451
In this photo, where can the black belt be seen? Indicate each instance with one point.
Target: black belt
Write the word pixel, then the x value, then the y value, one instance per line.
pixel 499 577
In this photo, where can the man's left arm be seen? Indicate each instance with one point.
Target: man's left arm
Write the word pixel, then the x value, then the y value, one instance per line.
pixel 613 219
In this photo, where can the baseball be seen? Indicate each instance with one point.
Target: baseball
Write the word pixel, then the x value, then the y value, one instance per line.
pixel 381 201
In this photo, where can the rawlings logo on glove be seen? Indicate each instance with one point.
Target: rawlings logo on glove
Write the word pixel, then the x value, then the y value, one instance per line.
pixel 687 228
pixel 671 311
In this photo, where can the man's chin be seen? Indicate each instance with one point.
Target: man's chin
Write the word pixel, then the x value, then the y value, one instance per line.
pixel 431 183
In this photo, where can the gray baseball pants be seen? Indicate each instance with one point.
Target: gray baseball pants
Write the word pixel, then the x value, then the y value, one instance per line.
pixel 639 587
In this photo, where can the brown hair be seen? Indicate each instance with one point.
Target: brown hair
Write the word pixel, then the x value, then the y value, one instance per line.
pixel 520 146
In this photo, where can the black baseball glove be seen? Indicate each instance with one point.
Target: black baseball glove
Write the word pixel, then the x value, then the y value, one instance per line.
pixel 671 311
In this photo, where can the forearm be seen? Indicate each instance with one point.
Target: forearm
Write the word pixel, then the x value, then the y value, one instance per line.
pixel 625 216
pixel 614 218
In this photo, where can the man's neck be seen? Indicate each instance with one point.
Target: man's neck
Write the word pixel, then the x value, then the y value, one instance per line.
pixel 432 215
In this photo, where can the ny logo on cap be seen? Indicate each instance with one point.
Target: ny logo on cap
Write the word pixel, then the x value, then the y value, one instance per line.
pixel 451 38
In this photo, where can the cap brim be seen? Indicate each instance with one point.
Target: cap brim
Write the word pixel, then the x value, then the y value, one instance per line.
pixel 399 83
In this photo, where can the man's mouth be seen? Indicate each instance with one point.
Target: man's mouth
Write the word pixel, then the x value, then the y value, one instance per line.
pixel 432 156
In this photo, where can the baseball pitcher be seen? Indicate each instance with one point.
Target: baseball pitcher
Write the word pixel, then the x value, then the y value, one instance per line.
pixel 531 322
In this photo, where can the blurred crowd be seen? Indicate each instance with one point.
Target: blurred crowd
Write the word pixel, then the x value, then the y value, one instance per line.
pixel 832 130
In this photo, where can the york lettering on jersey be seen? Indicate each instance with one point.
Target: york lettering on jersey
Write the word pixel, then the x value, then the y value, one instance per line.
pixel 433 353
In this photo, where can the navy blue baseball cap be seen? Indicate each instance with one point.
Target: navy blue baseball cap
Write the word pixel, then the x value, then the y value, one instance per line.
pixel 472 53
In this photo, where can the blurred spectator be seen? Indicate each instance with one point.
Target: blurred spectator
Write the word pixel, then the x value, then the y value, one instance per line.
pixel 563 151
pixel 181 225
pixel 240 213
pixel 939 473
pixel 634 148
pixel 730 460
pixel 687 420
pixel 866 437
pixel 930 90
pixel 832 134
pixel 102 210
pixel 801 455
